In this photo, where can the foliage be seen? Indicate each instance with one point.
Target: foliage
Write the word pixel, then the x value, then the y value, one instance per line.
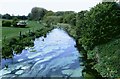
pixel 80 21
pixel 100 24
pixel 52 19
pixel 6 16
pixel 99 28
pixel 23 17
pixel 37 13
pixel 6 51
pixel 17 44
pixel 108 64
pixel 6 23
pixel 70 18
pixel 49 13
pixel 9 17
pixel 0 16
pixel 15 21
pixel 59 13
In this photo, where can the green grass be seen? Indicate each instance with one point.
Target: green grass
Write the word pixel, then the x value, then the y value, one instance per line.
pixel 0 33
pixel 9 32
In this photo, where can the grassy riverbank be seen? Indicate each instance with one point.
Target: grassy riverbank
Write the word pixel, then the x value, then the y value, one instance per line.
pixel 97 34
pixel 19 38
pixel 88 72
pixel 100 39
pixel 9 32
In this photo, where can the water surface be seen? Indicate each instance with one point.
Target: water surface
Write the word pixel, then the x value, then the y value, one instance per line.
pixel 53 56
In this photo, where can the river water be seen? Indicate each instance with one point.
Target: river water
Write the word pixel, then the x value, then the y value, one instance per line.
pixel 53 56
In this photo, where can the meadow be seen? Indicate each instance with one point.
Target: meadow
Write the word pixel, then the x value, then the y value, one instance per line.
pixel 9 32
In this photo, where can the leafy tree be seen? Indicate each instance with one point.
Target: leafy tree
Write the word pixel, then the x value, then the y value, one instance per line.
pixel 53 19
pixel 23 17
pixel 100 24
pixel 80 22
pixel 59 13
pixel 6 16
pixel 0 16
pixel 49 13
pixel 70 18
pixel 15 21
pixel 37 13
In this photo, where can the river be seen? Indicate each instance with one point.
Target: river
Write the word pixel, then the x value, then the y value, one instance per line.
pixel 53 56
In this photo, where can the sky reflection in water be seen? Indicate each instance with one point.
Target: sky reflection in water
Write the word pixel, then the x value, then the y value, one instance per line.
pixel 55 56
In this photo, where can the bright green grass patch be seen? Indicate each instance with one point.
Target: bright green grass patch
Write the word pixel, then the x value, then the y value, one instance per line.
pixel 9 32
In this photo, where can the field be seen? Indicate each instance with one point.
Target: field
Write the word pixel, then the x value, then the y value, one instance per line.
pixel 9 32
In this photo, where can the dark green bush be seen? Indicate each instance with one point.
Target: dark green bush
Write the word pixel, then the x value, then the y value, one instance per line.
pixel 6 51
pixel 13 41
pixel 100 24
pixel 18 48
pixel 14 22
pixel 6 23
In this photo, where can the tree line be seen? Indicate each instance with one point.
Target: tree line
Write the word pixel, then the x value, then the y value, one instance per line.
pixel 92 28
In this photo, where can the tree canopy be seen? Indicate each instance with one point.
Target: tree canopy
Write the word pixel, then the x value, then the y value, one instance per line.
pixel 37 13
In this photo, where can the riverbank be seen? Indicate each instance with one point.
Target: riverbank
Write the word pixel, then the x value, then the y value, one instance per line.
pixel 90 58
pixel 52 56
pixel 88 72
pixel 93 59
pixel 18 43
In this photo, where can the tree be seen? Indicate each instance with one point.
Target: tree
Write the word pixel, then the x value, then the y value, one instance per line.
pixel 6 16
pixel 23 17
pixel 80 21
pixel 0 16
pixel 37 13
pixel 15 21
pixel 59 13
pixel 100 24
pixel 69 18
pixel 49 13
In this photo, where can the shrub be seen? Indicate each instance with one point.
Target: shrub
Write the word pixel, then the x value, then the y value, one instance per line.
pixel 100 24
pixel 18 48
pixel 14 22
pixel 6 23
pixel 6 51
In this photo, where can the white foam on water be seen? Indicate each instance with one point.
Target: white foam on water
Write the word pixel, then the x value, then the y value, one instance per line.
pixel 4 71
pixel 20 60
pixel 37 59
pixel 25 67
pixel 44 60
pixel 19 72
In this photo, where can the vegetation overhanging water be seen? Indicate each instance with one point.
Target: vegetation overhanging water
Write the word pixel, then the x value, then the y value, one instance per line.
pixel 53 56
